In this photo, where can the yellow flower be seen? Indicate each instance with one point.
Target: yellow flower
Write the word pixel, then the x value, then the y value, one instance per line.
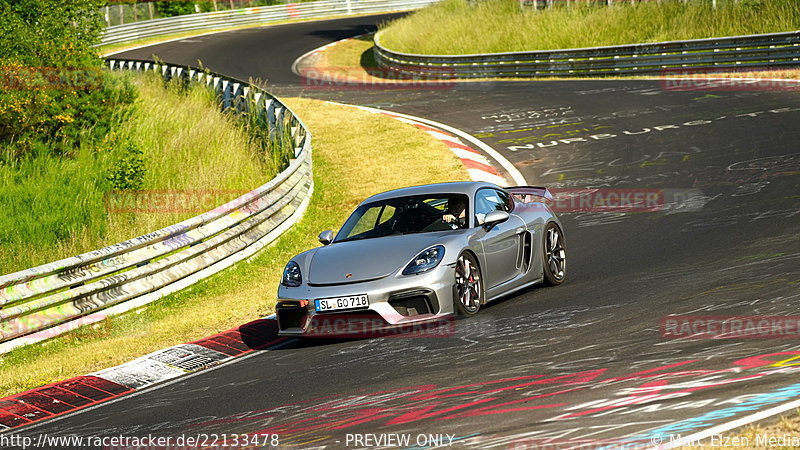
pixel 64 119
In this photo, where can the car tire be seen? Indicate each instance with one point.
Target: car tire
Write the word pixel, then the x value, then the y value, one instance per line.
pixel 468 290
pixel 554 255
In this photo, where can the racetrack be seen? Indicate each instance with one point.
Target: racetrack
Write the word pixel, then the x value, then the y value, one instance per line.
pixel 584 362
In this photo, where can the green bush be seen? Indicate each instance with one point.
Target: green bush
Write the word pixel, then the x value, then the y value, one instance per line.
pixel 53 91
pixel 175 8
pixel 127 172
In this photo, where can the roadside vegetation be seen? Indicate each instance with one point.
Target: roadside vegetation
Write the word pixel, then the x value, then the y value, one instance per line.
pixel 453 27
pixel 71 132
pixel 345 172
pixel 167 140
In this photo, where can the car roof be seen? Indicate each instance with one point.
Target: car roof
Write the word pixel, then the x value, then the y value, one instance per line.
pixel 457 187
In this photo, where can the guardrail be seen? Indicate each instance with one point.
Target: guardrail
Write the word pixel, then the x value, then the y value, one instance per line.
pixel 38 303
pixel 738 52
pixel 252 16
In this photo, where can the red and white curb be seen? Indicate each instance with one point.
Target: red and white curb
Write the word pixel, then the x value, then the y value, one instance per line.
pixel 65 397
pixel 478 166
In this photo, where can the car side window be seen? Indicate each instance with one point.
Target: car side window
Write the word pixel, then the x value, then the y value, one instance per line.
pixel 508 203
pixel 488 200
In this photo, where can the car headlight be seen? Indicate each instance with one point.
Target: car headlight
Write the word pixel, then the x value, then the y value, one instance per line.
pixel 425 261
pixel 291 275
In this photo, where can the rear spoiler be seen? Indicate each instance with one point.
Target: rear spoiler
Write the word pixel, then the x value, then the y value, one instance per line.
pixel 522 192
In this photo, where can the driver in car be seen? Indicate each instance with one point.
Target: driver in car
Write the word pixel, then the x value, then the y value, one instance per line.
pixel 456 212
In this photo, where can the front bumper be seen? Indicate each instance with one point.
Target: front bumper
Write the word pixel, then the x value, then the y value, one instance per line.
pixel 395 303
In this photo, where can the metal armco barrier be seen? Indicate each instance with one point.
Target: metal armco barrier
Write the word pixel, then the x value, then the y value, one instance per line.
pixel 41 302
pixel 740 52
pixel 253 16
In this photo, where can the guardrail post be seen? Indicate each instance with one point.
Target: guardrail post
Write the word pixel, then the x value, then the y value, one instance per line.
pixel 281 129
pixel 226 95
pixel 271 121
pixel 258 110
pixel 237 94
pixel 297 136
pixel 247 101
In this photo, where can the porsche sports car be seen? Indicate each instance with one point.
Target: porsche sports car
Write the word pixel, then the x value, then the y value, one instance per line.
pixel 420 253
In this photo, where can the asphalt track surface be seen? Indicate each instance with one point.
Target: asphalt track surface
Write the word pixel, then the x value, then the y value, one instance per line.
pixel 582 363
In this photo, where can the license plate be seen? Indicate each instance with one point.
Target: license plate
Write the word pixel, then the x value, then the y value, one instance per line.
pixel 339 303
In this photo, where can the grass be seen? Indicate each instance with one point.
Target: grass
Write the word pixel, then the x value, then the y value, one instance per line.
pixel 345 172
pixel 453 27
pixel 351 60
pixel 350 53
pixel 54 206
pixel 785 425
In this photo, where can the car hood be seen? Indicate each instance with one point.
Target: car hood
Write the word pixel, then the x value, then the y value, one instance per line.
pixel 366 259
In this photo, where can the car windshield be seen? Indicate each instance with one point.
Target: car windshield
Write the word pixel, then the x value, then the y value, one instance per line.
pixel 405 215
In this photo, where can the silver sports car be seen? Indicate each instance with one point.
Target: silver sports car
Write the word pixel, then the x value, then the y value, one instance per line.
pixel 422 253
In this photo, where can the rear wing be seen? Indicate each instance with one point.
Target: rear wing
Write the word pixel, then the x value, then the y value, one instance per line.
pixel 526 194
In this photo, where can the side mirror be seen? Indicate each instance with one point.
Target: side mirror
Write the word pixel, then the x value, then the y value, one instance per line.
pixel 493 218
pixel 326 237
